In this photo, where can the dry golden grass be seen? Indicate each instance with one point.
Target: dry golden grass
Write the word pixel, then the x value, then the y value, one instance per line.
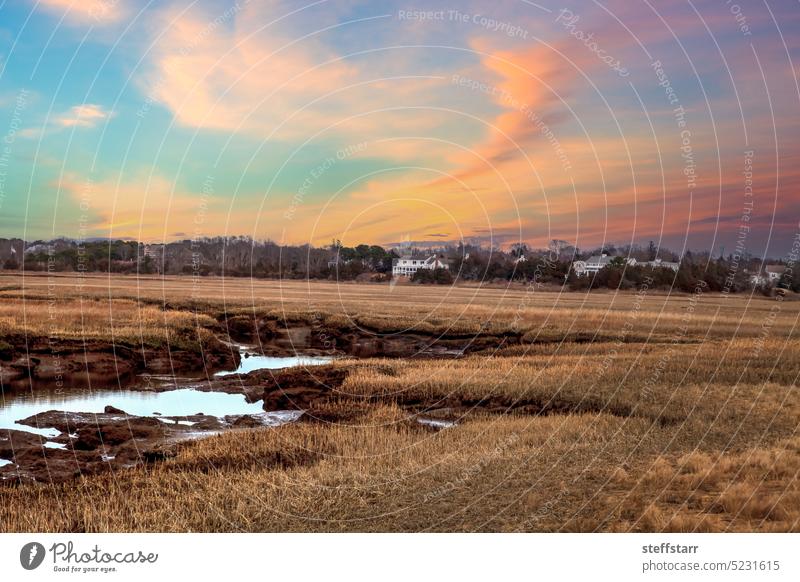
pixel 756 489
pixel 389 474
pixel 662 413
pixel 543 315
pixel 119 321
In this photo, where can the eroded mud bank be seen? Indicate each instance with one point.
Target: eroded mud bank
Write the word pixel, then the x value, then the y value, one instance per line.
pixel 48 363
pixel 314 338
pixel 63 445
pixel 86 443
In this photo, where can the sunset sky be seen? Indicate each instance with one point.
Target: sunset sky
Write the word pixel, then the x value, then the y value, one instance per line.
pixel 381 122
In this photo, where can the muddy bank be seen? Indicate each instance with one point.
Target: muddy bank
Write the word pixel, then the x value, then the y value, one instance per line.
pixel 280 338
pixel 89 443
pixel 284 338
pixel 85 443
pixel 49 363
pixel 319 393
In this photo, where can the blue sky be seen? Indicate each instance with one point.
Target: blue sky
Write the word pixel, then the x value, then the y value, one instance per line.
pixel 116 114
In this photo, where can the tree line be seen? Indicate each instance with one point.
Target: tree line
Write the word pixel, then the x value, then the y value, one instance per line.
pixel 242 256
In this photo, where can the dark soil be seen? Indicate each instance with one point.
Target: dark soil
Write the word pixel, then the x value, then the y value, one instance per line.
pixel 44 362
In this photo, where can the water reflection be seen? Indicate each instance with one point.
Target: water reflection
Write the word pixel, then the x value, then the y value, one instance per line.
pixel 252 362
pixel 181 401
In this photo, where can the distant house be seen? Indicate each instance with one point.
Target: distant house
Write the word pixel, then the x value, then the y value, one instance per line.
pixel 153 251
pixel 408 265
pixel 659 264
pixel 594 263
pixel 337 262
pixel 772 274
pixel 37 248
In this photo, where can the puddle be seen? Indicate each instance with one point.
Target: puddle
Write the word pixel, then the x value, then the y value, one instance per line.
pixel 182 402
pixel 432 422
pixel 175 421
pixel 252 362
pixel 4 462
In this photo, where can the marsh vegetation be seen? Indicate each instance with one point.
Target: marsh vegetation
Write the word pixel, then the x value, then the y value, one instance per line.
pixel 638 410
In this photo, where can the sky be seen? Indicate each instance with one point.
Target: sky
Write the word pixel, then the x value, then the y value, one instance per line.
pixel 381 122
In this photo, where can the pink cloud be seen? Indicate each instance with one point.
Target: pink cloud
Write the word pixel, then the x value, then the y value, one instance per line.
pixel 86 12
pixel 86 115
pixel 233 71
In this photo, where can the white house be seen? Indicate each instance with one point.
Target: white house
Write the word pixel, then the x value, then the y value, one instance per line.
pixel 774 272
pixel 38 248
pixel 408 265
pixel 337 262
pixel 659 264
pixel 154 251
pixel 596 262
pixel 771 275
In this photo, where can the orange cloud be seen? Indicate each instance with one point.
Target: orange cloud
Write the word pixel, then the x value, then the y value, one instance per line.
pixel 550 157
pixel 484 188
pixel 142 207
